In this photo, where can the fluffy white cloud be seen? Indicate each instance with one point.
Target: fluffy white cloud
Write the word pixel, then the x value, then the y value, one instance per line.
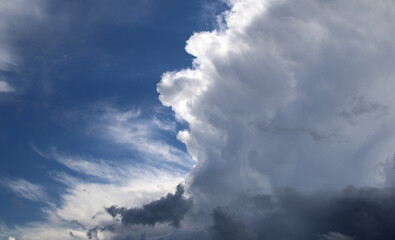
pixel 288 93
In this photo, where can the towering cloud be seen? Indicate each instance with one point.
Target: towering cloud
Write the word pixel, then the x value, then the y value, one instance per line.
pixel 288 93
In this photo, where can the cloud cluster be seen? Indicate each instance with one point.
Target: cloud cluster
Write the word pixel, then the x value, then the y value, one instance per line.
pixel 288 93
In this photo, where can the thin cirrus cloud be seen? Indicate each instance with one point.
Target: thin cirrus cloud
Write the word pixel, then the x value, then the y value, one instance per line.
pixel 94 184
pixel 24 189
pixel 141 135
pixel 5 87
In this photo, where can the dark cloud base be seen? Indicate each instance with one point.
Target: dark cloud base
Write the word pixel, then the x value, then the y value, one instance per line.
pixel 171 208
pixel 363 214
pixel 348 214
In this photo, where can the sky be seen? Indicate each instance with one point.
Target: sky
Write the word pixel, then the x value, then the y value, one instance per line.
pixel 197 119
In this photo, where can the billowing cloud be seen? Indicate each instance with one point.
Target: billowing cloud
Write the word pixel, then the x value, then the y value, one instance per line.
pixel 286 102
pixel 288 93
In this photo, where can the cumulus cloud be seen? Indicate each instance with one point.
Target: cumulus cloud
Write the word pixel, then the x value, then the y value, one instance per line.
pixel 294 94
pixel 272 92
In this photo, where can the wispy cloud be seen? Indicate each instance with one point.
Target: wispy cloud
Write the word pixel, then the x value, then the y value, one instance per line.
pixel 4 87
pixel 95 183
pixel 91 167
pixel 140 134
pixel 24 189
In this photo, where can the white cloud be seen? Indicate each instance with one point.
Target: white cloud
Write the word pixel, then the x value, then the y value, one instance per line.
pixel 4 87
pixel 92 167
pixel 24 189
pixel 11 11
pixel 270 97
pixel 141 135
pixel 165 125
pixel 106 182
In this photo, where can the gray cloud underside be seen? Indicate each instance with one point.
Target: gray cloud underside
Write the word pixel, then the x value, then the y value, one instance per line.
pixel 349 214
pixel 171 208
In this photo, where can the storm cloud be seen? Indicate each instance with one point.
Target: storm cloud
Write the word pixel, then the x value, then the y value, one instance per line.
pixel 170 209
pixel 272 92
pixel 289 106
pixel 288 111
pixel 347 214
pixel 351 213
pixel 291 95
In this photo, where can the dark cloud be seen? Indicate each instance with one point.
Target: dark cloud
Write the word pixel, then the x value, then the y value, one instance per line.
pixel 225 228
pixel 170 209
pixel 334 236
pixel 92 233
pixel 353 213
pixel 348 214
pixel 130 236
pixel 362 106
pixel 314 134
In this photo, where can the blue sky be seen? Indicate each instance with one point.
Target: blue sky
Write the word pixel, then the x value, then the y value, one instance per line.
pixel 197 119
pixel 72 64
